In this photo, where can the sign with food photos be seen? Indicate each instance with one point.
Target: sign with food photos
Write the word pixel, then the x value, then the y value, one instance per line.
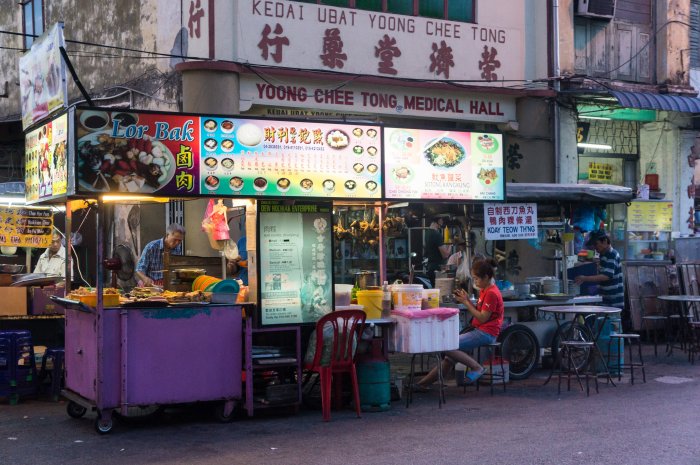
pixel 443 165
pixel 183 155
pixel 46 160
pixel 26 227
pixel 510 221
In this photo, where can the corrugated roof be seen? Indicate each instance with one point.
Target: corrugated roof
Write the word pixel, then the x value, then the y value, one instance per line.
pixel 651 101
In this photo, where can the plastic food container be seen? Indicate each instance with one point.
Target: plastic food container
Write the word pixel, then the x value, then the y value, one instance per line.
pixel 108 300
pixel 432 296
pixel 372 302
pixel 406 296
pixel 343 293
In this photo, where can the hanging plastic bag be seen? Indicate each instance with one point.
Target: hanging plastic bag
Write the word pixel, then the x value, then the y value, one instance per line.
pixel 231 250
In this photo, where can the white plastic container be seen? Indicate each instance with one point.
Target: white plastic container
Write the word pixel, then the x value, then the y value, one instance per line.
pixel 342 294
pixel 431 330
pixel 406 296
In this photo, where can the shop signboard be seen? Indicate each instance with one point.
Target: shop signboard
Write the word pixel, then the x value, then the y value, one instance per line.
pixel 42 77
pixel 46 160
pixel 295 257
pixel 506 221
pixel 650 216
pixel 424 164
pixel 182 155
pixel 26 227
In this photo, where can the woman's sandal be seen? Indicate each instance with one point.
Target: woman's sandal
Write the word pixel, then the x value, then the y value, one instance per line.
pixel 473 375
pixel 419 388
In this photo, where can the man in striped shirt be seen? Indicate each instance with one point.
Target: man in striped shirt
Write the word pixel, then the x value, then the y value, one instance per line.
pixel 609 277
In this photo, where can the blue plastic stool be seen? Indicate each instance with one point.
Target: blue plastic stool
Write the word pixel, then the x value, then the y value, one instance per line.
pixel 56 355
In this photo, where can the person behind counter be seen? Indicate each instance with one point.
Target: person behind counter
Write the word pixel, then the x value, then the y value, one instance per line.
pixel 609 278
pixel 53 260
pixel 486 324
pixel 238 267
pixel 435 251
pixel 149 269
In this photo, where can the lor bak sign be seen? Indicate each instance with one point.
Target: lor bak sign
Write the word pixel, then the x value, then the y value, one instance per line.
pixel 302 35
pixel 359 98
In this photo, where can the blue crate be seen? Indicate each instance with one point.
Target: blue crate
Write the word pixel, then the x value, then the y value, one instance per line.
pixel 17 365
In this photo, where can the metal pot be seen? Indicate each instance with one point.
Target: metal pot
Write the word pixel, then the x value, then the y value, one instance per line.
pixel 365 279
pixel 13 269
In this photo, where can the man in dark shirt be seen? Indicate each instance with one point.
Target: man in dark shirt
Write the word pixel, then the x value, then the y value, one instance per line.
pixel 609 277
pixel 435 251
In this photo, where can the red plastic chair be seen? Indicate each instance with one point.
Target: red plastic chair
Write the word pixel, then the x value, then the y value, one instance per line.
pixel 347 326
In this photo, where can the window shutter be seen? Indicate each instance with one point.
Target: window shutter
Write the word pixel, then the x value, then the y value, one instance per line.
pixel 694 34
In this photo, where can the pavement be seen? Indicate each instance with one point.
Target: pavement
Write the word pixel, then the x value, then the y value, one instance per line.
pixel 657 422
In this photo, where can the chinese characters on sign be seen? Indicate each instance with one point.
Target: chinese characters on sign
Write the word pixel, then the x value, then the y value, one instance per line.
pixel 510 221
pixel 311 36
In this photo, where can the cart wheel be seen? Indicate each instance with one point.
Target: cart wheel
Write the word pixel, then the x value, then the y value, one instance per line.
pixel 75 410
pixel 103 425
pixel 221 416
pixel 520 347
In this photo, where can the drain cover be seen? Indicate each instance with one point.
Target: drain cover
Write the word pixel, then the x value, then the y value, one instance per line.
pixel 673 380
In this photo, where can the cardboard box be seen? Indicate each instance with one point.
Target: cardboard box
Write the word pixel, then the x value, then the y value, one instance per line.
pixel 13 301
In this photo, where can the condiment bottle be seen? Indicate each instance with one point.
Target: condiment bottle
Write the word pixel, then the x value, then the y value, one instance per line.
pixel 386 300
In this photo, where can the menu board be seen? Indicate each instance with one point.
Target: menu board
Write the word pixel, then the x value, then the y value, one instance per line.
pixel 45 160
pixel 454 165
pixel 26 227
pixel 295 256
pixel 180 155
pixel 283 158
pixel 650 216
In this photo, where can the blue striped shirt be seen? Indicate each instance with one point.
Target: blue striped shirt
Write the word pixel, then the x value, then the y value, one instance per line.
pixel 612 290
pixel 151 260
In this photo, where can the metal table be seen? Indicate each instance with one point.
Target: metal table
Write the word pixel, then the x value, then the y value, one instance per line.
pixel 689 314
pixel 582 311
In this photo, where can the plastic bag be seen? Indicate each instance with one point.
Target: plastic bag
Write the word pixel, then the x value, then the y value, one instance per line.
pixel 231 250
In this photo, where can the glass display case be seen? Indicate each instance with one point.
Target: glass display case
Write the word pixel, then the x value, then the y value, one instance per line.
pixel 648 230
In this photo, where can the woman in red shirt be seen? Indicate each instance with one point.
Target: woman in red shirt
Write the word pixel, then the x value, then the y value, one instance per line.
pixel 486 323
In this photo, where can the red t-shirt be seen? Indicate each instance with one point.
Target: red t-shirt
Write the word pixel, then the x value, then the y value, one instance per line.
pixel 490 300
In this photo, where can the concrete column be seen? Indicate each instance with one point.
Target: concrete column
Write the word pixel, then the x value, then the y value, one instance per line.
pixel 210 87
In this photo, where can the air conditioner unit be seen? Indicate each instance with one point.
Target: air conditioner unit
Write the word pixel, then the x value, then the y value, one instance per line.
pixel 600 9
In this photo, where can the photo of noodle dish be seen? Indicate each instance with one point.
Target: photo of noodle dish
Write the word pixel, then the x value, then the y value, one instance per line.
pixel 445 153
pixel 337 139
pixel 402 174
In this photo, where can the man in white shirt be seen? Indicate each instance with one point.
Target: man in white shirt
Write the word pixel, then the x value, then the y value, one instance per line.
pixel 457 257
pixel 53 260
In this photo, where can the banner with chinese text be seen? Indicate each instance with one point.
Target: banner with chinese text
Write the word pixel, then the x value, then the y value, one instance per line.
pixel 25 227
pixel 510 221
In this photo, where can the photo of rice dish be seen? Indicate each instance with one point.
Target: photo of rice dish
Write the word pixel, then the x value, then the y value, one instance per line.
pixel 329 185
pixel 445 153
pixel 487 177
pixel 358 167
pixel 210 144
pixel 227 126
pixel 337 139
pixel 210 162
pixel 283 184
pixel 372 133
pixel 212 182
pixel 357 132
pixel 227 145
pixel 371 186
pixel 372 168
pixel 306 184
pixel 358 149
pixel 350 185
pixel 236 183
pixel 210 125
pixel 249 135
pixel 372 150
pixel 260 184
pixel 227 163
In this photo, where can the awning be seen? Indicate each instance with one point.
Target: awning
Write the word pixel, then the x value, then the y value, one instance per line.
pixel 550 192
pixel 649 101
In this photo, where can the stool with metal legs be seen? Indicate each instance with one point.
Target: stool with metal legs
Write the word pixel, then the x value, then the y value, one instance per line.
pixel 441 393
pixel 568 348
pixel 630 364
pixel 495 377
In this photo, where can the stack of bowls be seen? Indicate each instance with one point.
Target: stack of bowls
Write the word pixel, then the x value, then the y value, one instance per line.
pixel 204 283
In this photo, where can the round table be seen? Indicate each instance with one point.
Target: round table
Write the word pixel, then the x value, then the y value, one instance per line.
pixel 690 313
pixel 577 310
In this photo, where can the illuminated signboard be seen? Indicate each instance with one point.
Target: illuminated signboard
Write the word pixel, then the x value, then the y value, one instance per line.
pixel 46 160
pixel 443 165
